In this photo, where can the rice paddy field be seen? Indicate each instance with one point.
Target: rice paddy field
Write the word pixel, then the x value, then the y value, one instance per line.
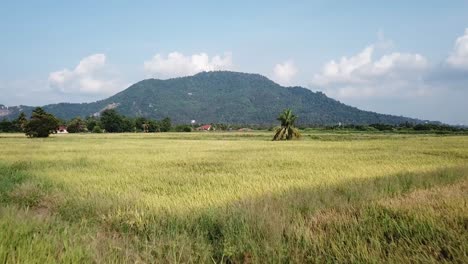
pixel 233 198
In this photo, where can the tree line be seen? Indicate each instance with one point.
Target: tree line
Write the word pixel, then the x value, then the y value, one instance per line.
pixel 42 124
pixel 403 127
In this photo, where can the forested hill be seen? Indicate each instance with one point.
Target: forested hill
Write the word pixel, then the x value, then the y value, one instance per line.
pixel 220 97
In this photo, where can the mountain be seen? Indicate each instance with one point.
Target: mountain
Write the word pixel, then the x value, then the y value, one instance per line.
pixel 219 97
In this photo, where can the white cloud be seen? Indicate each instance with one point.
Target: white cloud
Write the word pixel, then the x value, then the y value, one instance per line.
pixel 343 70
pixel 177 64
pixel 459 57
pixel 90 76
pixel 284 72
pixel 362 76
pixel 400 83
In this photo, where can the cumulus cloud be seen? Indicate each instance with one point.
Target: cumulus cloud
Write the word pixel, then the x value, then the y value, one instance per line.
pixel 361 75
pixel 90 76
pixel 459 57
pixel 378 79
pixel 177 64
pixel 284 72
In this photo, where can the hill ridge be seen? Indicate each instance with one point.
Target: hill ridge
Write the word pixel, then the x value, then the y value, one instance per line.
pixel 220 97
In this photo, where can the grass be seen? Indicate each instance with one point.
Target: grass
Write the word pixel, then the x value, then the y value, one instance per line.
pixel 233 198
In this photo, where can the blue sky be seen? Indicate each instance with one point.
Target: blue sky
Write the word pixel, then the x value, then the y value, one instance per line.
pixel 399 57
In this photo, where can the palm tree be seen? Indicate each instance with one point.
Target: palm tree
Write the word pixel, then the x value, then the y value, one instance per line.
pixel 287 130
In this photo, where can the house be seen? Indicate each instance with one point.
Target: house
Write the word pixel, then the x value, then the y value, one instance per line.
pixel 205 128
pixel 62 129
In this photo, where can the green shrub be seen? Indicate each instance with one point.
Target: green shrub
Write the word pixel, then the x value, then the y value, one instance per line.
pixel 97 129
pixel 183 128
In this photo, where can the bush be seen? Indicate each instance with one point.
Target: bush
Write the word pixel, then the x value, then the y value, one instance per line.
pixel 97 129
pixel 77 125
pixel 382 127
pixel 183 128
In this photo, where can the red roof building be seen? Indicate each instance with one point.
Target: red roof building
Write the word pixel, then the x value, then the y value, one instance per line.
pixel 62 129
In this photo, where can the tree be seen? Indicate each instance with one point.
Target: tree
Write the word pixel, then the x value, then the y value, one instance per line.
pixel 141 124
pixel 77 125
pixel 145 127
pixel 21 122
pixel 128 125
pixel 287 130
pixel 41 124
pixel 165 125
pixel 111 121
pixel 7 126
pixel 153 126
pixel 91 122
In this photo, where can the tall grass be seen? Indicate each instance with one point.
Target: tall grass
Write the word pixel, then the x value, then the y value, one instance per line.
pixel 233 197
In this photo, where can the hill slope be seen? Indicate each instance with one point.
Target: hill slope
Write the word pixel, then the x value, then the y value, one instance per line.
pixel 220 97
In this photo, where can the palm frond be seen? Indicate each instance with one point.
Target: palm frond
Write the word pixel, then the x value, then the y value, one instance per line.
pixel 287 130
